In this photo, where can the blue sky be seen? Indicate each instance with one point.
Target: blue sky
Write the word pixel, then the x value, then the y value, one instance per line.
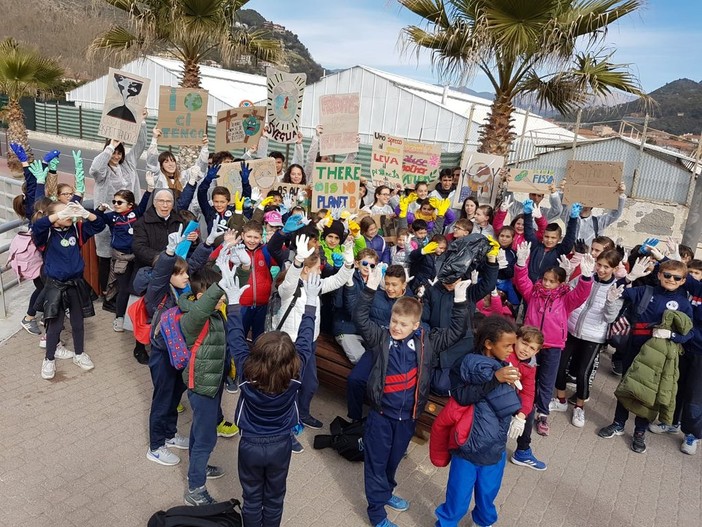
pixel 661 41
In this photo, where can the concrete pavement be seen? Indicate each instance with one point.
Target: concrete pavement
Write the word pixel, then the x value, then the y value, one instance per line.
pixel 74 455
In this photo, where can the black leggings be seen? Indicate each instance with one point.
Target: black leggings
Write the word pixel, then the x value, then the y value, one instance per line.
pixel 55 325
pixel 122 298
pixel 38 287
pixel 581 354
pixel 103 273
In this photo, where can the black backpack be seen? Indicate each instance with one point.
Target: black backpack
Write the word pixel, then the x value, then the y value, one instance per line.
pixel 346 438
pixel 218 515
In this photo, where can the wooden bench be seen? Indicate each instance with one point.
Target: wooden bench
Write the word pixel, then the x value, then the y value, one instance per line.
pixel 333 368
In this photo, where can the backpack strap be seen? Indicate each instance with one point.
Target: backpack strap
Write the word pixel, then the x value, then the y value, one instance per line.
pixel 645 300
pixel 296 295
pixel 193 354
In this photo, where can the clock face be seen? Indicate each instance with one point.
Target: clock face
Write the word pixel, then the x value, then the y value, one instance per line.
pixel 285 97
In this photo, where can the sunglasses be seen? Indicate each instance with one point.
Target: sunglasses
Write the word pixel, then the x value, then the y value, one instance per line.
pixel 118 202
pixel 368 264
pixel 675 277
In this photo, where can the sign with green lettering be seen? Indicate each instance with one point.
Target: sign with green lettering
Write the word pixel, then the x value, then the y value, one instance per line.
pixel 336 185
pixel 182 115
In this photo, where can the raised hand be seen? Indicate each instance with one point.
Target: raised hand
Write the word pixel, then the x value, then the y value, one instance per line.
pixel 293 223
pixel 523 252
pixel 614 293
pixel 348 255
pixel 150 180
pixel 430 248
pixel 288 202
pixel 19 151
pixel 230 285
pixel 460 293
pixel 256 194
pixel 587 266
pixel 580 246
pixel 216 231
pixel 502 262
pixel 213 172
pixel 640 269
pixel 194 175
pixel 494 247
pixel 245 172
pixel 575 209
pixel 528 206
pixel 241 256
pixel 265 202
pixel 231 238
pixel 39 171
pixel 443 208
pixel 374 278
pixel 564 264
pixel 506 203
pixel 80 173
pixel 302 249
pixel 239 203
pixel 174 239
pixel 51 155
pixel 312 287
pixel 537 211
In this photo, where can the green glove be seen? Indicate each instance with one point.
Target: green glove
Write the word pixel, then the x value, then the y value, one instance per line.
pixel 38 171
pixel 80 173
pixel 53 164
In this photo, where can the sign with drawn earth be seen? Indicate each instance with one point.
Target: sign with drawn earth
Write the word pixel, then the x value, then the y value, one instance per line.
pixel 285 91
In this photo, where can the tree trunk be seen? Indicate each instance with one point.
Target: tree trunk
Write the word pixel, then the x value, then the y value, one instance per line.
pixel 187 155
pixel 496 135
pixel 16 133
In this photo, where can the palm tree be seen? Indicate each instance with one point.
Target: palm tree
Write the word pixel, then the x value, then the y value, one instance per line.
pixel 189 30
pixel 524 47
pixel 23 72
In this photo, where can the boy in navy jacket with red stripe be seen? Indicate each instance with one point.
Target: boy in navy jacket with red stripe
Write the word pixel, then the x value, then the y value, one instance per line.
pixel 398 386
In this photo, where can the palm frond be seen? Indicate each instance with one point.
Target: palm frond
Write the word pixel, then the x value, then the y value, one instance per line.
pixel 433 11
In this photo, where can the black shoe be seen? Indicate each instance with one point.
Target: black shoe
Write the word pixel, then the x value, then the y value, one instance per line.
pixel 312 422
pixel 617 368
pixel 611 430
pixel 638 444
pixel 141 356
pixel 109 305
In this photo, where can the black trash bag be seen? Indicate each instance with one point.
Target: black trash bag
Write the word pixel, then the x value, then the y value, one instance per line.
pixel 463 256
pixel 223 514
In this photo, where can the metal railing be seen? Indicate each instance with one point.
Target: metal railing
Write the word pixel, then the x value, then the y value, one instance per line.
pixel 9 188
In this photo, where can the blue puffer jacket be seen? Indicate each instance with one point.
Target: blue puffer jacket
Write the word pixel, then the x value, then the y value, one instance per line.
pixel 493 412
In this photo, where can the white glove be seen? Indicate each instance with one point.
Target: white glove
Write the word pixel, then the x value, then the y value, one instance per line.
pixel 312 287
pixel 673 250
pixel 195 175
pixel 460 293
pixel 516 427
pixel 77 210
pixel 408 242
pixel 614 293
pixel 374 278
pixel 150 180
pixel 501 259
pixel 536 213
pixel 506 203
pixel 336 212
pixel 640 269
pixel 105 206
pixel 523 252
pixel 65 213
pixel 348 255
pixel 655 252
pixel 660 333
pixel 587 266
pixel 224 257
pixel 230 285
pixel 420 291
pixel 174 239
pixel 288 202
pixel 302 249
pixel 474 276
pixel 241 256
pixel 256 194
pixel 564 264
pixel 218 229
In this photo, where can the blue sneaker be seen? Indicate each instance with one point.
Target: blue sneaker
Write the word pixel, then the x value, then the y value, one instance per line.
pixel 231 385
pixel 526 458
pixel 297 448
pixel 397 503
pixel 386 523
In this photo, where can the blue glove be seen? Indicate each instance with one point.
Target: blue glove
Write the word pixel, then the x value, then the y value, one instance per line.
pixel 528 206
pixel 51 155
pixel 245 173
pixel 575 209
pixel 338 259
pixel 648 242
pixel 293 224
pixel 212 172
pixel 19 152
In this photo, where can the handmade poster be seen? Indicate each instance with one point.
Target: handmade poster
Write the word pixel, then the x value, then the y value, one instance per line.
pixel 386 160
pixel 421 162
pixel 182 115
pixel 336 185
pixel 530 181
pixel 338 115
pixel 479 175
pixel 299 194
pixel 593 183
pixel 263 173
pixel 240 127
pixel 230 177
pixel 125 99
pixel 285 91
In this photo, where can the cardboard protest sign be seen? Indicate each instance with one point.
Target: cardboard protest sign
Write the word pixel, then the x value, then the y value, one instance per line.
pixel 182 115
pixel 479 174
pixel 386 160
pixel 230 177
pixel 530 181
pixel 125 99
pixel 421 162
pixel 336 185
pixel 593 183
pixel 299 194
pixel 240 127
pixel 263 173
pixel 285 91
pixel 338 116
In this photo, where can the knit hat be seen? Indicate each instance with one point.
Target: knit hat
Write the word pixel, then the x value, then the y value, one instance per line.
pixel 336 227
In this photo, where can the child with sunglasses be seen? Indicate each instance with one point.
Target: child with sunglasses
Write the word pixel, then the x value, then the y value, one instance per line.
pixel 668 295
pixel 120 218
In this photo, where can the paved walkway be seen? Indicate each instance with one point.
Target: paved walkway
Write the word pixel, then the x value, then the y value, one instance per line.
pixel 74 455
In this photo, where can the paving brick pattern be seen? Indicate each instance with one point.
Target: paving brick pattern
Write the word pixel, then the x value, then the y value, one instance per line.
pixel 73 454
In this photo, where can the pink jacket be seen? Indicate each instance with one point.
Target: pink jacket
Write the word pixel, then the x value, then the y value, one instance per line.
pixel 494 308
pixel 498 221
pixel 548 309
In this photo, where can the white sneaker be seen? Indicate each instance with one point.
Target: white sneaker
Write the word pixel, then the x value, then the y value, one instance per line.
pixel 557 406
pixel 118 324
pixel 578 417
pixel 162 456
pixel 48 369
pixel 62 352
pixel 689 445
pixel 83 360
pixel 661 428
pixel 178 441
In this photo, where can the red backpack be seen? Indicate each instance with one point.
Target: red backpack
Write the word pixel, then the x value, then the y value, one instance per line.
pixel 24 257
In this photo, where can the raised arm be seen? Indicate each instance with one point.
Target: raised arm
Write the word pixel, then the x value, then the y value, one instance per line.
pixel 132 157
pixel 371 332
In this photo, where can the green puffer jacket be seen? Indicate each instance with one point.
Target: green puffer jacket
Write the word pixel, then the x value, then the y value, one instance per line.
pixel 650 385
pixel 206 367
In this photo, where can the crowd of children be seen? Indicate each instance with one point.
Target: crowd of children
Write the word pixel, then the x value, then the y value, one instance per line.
pixel 240 305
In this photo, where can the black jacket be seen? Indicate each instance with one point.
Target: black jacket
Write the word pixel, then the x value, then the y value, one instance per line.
pixel 151 236
pixel 427 344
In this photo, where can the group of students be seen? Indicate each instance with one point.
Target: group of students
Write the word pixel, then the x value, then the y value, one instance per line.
pixel 246 305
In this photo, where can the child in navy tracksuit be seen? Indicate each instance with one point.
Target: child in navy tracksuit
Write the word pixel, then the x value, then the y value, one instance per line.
pixel 61 240
pixel 219 210
pixel 667 295
pixel 120 220
pixel 398 386
pixel 266 411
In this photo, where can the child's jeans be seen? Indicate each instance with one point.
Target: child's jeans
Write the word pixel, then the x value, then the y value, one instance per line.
pixel 466 479
pixel 253 318
pixel 203 435
pixel 168 390
pixel 548 360
pixel 385 442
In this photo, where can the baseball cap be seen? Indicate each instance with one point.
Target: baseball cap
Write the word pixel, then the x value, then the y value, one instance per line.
pixel 273 218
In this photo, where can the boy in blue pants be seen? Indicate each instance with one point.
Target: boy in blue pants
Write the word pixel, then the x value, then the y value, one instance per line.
pixel 398 386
